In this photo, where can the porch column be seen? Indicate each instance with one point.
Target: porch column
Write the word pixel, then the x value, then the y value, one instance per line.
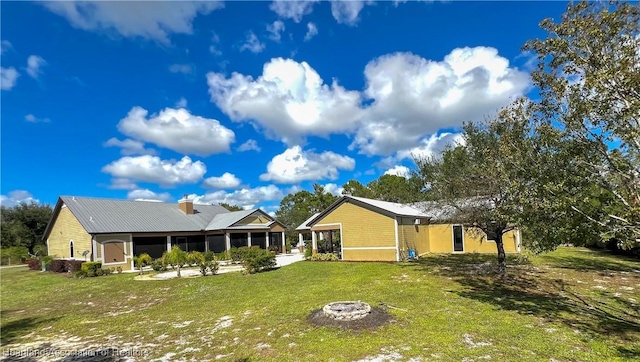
pixel 168 243
pixel 300 240
pixel 249 239
pixel 227 240
pixel 284 244
pixel 314 243
pixel 266 240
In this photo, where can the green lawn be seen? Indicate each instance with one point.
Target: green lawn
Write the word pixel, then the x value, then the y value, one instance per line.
pixel 569 305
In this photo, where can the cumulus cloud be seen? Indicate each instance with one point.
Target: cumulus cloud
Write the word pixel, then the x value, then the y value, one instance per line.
pixel 413 96
pixel 16 197
pixel 8 78
pixel 289 100
pixel 247 198
pixel 34 63
pixel 346 12
pixel 226 181
pixel 129 147
pixel 294 10
pixel 295 165
pixel 250 145
pixel 312 30
pixel 186 69
pixel 147 195
pixel 275 30
pixel 150 20
pixel 252 43
pixel 181 103
pixel 178 130
pixel 399 170
pixel 155 170
pixel 5 45
pixel 334 189
pixel 122 184
pixel 33 119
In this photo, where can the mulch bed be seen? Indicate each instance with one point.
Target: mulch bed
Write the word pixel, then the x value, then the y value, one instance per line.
pixel 378 317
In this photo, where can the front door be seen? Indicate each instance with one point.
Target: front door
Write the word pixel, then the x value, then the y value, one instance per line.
pixel 458 240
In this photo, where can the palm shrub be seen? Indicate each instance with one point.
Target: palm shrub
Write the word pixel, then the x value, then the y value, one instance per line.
pixel 177 257
pixel 142 260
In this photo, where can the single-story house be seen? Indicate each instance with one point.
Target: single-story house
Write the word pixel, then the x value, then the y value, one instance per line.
pixel 357 228
pixel 113 231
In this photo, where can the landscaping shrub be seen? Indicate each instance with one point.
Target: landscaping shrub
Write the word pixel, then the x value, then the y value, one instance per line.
pixel 142 260
pixel 91 265
pixel 235 254
pixel 213 266
pixel 80 274
pixel 34 264
pixel 324 257
pixel 74 265
pixel 223 255
pixel 119 269
pixel 255 259
pixel 274 248
pixel 107 271
pixel 13 255
pixel 46 261
pixel 308 251
pixel 158 266
pixel 58 266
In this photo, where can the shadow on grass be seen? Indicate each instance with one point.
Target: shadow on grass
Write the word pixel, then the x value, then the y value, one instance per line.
pixel 596 261
pixel 529 290
pixel 20 327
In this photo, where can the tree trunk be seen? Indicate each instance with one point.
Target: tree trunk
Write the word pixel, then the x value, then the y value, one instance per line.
pixel 179 270
pixel 502 256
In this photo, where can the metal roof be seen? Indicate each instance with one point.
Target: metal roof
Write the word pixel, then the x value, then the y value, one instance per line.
pixel 304 225
pixel 225 220
pixel 98 215
pixel 392 207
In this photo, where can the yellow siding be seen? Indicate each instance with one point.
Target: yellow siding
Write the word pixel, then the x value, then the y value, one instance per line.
pixel 369 255
pixel 361 227
pixel 277 228
pixel 65 228
pixel 260 219
pixel 441 240
pixel 128 248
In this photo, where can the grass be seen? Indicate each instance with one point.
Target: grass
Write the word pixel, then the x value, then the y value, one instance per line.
pixel 569 305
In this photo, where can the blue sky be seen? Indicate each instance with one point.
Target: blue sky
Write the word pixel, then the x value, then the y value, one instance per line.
pixel 244 102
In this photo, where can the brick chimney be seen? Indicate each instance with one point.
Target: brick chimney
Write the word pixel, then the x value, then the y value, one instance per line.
pixel 186 205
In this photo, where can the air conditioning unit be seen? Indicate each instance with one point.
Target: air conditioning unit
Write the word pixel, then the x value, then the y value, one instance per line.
pixel 416 222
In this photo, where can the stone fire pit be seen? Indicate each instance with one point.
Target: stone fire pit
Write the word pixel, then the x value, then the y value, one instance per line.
pixel 346 311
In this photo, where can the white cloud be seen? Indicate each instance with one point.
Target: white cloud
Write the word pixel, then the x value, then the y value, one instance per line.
pixel 178 130
pixel 226 181
pixel 334 189
pixel 16 197
pixel 399 170
pixel 413 97
pixel 275 30
pixel 295 165
pixel 153 169
pixel 147 195
pixel 290 9
pixel 5 45
pixel 150 20
pixel 34 63
pixel 312 30
pixel 181 68
pixel 428 147
pixel 252 43
pixel 250 145
pixel 122 184
pixel 182 103
pixel 346 12
pixel 213 48
pixel 247 198
pixel 33 119
pixel 289 100
pixel 129 146
pixel 8 77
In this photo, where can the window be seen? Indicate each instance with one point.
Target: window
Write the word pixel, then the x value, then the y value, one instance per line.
pixel 71 248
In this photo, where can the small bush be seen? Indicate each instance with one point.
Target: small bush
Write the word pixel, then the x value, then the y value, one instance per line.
pixel 324 257
pixel 80 274
pixel 34 264
pixel 58 266
pixel 308 249
pixel 91 265
pixel 90 273
pixel 74 265
pixel 213 266
pixel 255 259
pixel 106 271
pixel 119 269
pixel 222 255
pixel 158 266
pixel 275 248
pixel 209 255
pixel 46 260
pixel 236 254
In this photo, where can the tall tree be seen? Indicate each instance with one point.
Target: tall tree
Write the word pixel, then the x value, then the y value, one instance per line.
pixel 230 207
pixel 24 224
pixel 356 188
pixel 588 77
pixel 394 188
pixel 296 208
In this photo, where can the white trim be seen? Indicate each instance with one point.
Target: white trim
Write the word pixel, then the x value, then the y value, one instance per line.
pixel 48 252
pixel 314 242
pixel 72 245
pixel 453 239
pixel 370 248
pixel 395 224
pixel 168 243
pixel 249 238
pixel 518 239
pixel 94 247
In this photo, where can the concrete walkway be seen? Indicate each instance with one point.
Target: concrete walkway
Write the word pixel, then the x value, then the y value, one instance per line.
pixel 281 260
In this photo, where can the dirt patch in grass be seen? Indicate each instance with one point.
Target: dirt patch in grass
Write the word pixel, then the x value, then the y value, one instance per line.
pixel 377 318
